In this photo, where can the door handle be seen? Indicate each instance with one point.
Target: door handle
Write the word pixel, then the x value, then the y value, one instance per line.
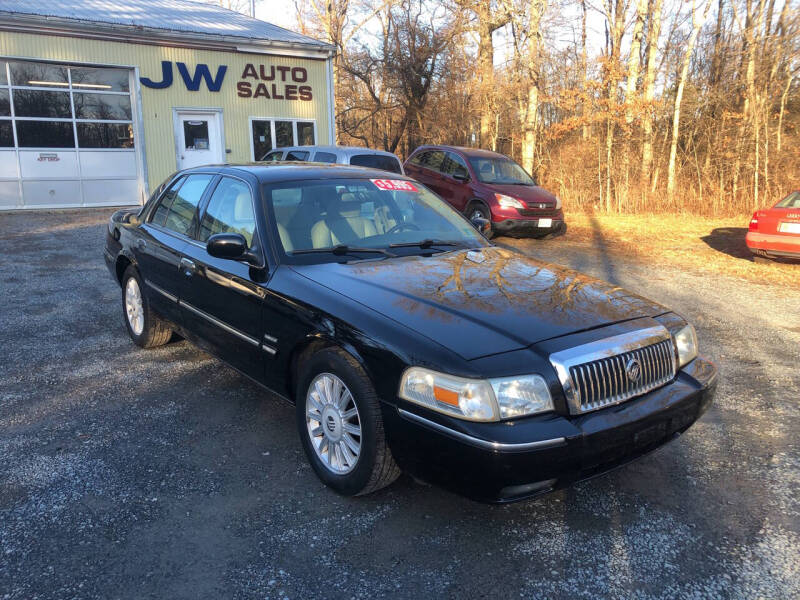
pixel 188 267
pixel 141 244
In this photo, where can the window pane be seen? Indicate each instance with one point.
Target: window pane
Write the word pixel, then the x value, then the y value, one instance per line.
pixel 377 161
pixel 161 212
pixel 102 106
pixel 325 157
pixel 105 135
pixel 262 139
pixel 305 134
pixel 434 160
pixel 230 210
pixel 274 156
pixel 297 155
pixel 3 80
pixel 283 134
pixel 30 73
pixel 6 135
pixel 40 103
pixel 45 134
pixel 113 80
pixel 5 104
pixel 184 206
pixel 195 135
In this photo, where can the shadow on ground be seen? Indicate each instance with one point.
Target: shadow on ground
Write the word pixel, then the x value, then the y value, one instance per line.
pixel 730 241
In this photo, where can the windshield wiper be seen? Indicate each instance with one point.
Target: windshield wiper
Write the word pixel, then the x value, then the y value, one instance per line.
pixel 424 244
pixel 342 249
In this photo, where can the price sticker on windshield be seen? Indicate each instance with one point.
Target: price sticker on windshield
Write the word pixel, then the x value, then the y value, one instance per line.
pixel 394 185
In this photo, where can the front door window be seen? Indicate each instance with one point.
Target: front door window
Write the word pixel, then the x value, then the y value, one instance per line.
pixel 199 139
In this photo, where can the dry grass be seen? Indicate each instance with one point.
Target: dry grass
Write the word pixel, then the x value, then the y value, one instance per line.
pixel 709 245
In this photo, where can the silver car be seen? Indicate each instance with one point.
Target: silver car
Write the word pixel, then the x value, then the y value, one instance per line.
pixel 343 155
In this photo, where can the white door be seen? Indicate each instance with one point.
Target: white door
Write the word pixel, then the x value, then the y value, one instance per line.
pixel 199 139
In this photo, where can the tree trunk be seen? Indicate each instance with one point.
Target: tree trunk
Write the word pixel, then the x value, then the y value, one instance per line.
pixel 536 10
pixel 649 87
pixel 697 24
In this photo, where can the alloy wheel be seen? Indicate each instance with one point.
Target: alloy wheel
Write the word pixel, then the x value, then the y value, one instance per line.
pixel 134 310
pixel 333 423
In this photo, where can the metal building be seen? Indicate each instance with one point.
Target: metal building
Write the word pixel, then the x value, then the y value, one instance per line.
pixel 100 100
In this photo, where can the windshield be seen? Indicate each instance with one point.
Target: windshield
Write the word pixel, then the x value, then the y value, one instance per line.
pixel 500 170
pixel 364 213
pixel 791 201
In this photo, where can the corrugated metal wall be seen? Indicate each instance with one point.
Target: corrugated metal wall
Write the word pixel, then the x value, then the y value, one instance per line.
pixel 157 104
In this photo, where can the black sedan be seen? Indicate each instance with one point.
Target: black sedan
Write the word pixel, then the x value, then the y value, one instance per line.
pixel 402 336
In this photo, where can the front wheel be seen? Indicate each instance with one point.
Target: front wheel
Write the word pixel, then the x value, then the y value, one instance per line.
pixel 146 328
pixel 340 424
pixel 476 209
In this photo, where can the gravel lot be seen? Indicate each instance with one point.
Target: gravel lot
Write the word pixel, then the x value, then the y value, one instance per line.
pixel 127 473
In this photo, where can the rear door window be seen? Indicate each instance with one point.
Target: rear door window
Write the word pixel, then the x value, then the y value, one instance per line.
pixel 299 155
pixel 178 208
pixel 454 166
pixel 377 161
pixel 325 157
pixel 434 161
pixel 274 156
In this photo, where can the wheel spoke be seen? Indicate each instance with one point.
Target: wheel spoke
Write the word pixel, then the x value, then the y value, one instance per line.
pixel 349 414
pixel 344 400
pixel 352 429
pixel 351 443
pixel 349 457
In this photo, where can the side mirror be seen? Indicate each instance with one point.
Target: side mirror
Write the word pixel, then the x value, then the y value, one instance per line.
pixel 481 224
pixel 232 246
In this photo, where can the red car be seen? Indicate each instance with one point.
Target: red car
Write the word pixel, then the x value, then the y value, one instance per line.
pixel 776 231
pixel 486 184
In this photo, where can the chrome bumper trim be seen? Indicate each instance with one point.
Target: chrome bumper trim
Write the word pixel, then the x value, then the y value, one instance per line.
pixel 479 443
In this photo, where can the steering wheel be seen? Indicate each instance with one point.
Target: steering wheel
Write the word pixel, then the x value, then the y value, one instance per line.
pixel 401 226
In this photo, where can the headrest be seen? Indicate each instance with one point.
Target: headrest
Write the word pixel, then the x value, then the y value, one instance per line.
pixel 242 207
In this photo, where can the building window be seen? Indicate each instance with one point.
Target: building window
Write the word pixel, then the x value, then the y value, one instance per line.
pixel 195 135
pixel 267 134
pixel 55 106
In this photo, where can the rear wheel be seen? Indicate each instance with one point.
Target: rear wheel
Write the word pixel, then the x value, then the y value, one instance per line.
pixel 146 328
pixel 340 424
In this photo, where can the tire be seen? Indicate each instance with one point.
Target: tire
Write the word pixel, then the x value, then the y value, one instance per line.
pixel 146 328
pixel 479 209
pixel 762 260
pixel 373 467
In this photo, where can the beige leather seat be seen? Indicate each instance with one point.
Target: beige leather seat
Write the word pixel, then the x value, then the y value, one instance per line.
pixel 244 220
pixel 343 224
pixel 288 246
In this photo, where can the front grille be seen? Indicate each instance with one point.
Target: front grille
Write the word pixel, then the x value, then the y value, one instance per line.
pixel 616 369
pixel 606 381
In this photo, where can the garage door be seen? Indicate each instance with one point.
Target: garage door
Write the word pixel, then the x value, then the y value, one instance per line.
pixel 66 136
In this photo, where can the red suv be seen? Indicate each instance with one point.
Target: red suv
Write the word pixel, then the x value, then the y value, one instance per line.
pixel 486 184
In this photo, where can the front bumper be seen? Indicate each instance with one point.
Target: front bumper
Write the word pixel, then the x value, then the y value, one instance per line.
pixel 513 460
pixel 773 244
pixel 529 226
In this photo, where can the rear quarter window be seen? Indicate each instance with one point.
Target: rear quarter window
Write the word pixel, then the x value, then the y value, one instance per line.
pixel 325 157
pixel 377 161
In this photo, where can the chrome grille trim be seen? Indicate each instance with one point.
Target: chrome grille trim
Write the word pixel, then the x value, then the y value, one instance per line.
pixel 594 375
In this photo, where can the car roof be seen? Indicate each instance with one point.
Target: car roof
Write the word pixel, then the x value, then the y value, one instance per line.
pixel 469 152
pixel 292 171
pixel 342 150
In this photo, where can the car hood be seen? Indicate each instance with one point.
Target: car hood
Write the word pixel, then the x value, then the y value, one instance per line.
pixel 478 303
pixel 528 193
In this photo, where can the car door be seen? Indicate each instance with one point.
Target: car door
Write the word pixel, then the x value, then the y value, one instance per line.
pixel 454 181
pixel 222 299
pixel 163 238
pixel 431 172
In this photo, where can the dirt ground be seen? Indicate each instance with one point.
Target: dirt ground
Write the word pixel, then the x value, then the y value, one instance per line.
pixel 127 473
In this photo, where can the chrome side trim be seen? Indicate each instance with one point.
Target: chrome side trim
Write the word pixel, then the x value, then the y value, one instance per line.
pixel 161 291
pixel 269 349
pixel 479 443
pixel 220 324
pixel 270 338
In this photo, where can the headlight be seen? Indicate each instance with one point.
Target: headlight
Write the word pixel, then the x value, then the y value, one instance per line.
pixel 508 201
pixel 476 399
pixel 558 203
pixel 686 345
